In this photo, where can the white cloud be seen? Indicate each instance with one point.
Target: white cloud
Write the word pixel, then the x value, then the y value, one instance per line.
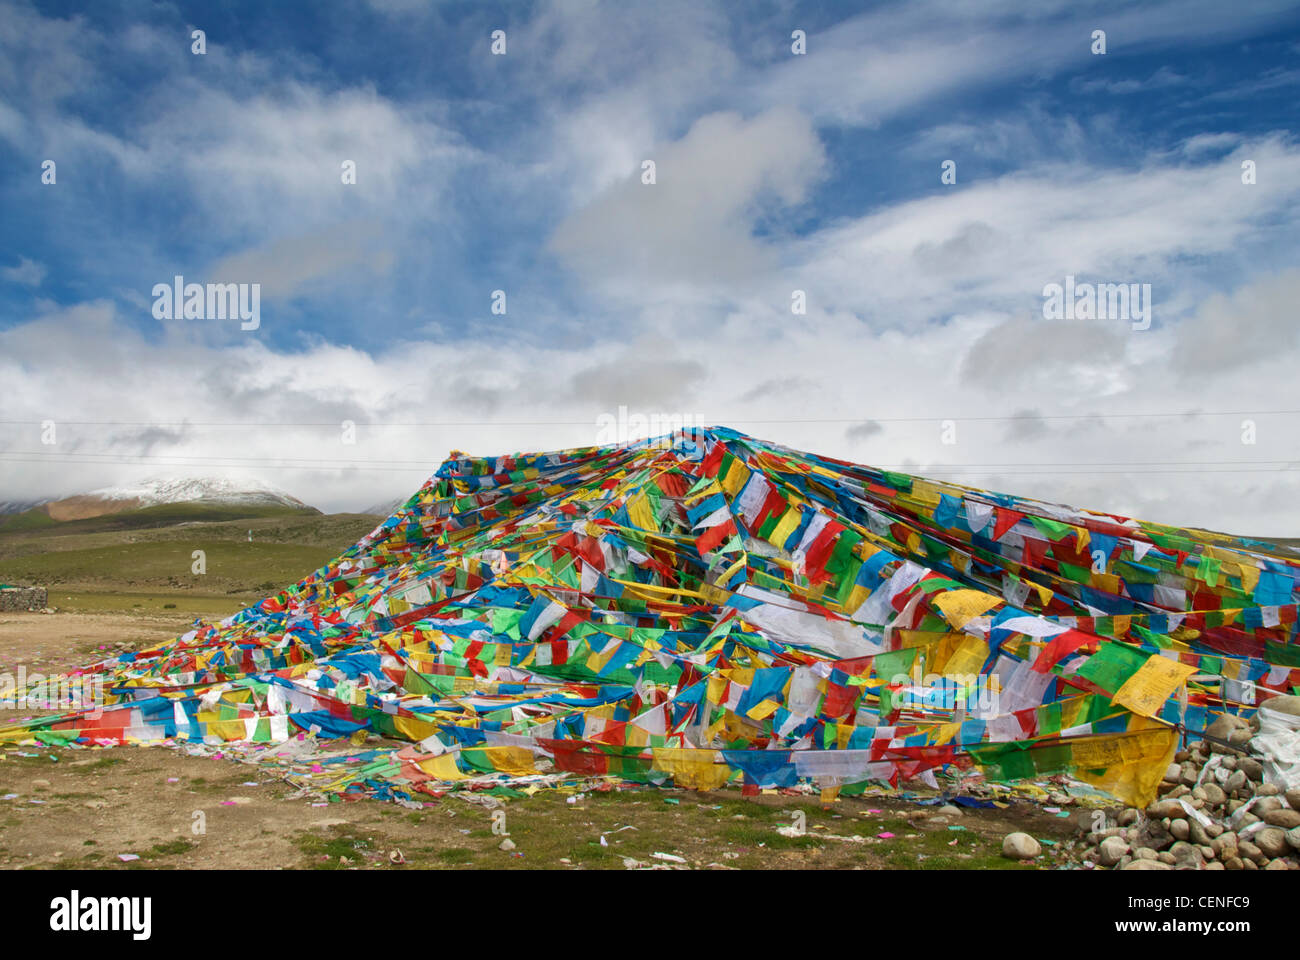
pixel 343 254
pixel 1255 322
pixel 996 243
pixel 28 272
pixel 695 225
pixel 84 364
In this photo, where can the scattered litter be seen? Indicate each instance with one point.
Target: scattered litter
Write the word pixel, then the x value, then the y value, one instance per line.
pixel 671 858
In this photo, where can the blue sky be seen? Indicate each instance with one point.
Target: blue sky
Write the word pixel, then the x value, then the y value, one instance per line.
pixel 775 173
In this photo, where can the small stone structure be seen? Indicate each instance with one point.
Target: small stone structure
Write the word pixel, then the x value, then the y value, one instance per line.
pixel 23 598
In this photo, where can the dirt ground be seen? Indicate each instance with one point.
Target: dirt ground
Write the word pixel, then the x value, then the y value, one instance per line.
pixel 61 641
pixel 161 808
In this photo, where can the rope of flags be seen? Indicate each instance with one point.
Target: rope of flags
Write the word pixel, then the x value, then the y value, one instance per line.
pixel 705 608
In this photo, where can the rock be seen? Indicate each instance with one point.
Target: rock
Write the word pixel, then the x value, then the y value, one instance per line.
pixel 1020 846
pixel 1097 836
pixel 1249 852
pixel 950 810
pixel 95 804
pixel 40 784
pixel 1152 834
pixel 1180 829
pixel 1145 853
pixel 1214 866
pixel 1197 834
pixel 1285 704
pixel 1147 865
pixel 1234 730
pixel 1265 804
pixel 1186 856
pixel 1278 864
pixel 1222 727
pixel 1188 779
pixel 1286 819
pixel 1269 790
pixel 507 844
pixel 1293 838
pixel 1234 863
pixel 1173 773
pixel 1249 865
pixel 1236 780
pixel 1166 857
pixel 1164 808
pixel 1214 794
pixel 1110 851
pixel 1271 841
pixel 1252 768
pixel 1129 816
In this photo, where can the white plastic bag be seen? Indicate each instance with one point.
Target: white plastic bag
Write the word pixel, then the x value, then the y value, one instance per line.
pixel 1278 746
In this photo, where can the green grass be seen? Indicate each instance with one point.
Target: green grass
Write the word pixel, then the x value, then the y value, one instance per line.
pixel 35 519
pixel 142 562
pixel 168 849
pixel 166 514
pixel 231 567
pixel 455 855
pixel 322 851
pixel 183 607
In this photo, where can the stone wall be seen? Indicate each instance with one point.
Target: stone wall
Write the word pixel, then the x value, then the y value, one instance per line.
pixel 23 598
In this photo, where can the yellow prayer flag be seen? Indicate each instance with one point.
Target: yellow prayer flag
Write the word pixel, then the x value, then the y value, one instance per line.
pixel 1147 690
pixel 960 606
pixel 693 769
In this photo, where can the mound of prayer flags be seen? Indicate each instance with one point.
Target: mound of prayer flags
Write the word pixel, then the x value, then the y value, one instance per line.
pixel 706 608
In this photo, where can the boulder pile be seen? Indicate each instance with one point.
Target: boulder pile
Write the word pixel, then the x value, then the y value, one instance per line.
pixel 1216 810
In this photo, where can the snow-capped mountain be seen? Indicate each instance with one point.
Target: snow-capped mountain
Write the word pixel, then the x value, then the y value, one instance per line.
pixel 387 508
pixel 157 491
pixel 18 506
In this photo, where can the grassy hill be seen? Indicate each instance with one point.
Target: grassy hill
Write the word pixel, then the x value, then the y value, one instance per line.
pixel 145 558
pixel 166 514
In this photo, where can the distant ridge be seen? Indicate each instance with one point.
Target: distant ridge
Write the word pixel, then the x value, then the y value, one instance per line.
pixel 158 491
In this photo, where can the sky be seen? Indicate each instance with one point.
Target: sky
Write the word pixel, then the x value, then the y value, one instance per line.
pixel 855 219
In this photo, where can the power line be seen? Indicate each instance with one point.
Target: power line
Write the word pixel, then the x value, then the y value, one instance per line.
pixel 335 424
pixel 424 461
pixel 1079 468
